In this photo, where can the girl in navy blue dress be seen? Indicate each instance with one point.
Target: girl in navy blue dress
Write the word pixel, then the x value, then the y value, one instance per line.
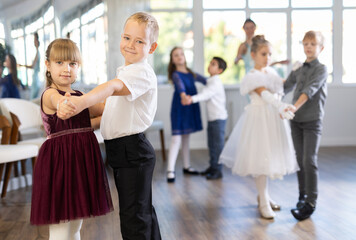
pixel 184 119
pixel 10 83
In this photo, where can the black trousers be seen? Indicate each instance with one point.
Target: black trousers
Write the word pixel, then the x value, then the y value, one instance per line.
pixel 306 139
pixel 133 159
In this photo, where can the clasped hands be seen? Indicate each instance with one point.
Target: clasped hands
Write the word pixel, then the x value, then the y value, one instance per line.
pixel 286 111
pixel 186 100
pixel 66 106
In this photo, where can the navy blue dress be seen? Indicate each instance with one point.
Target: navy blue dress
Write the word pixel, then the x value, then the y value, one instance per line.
pixel 185 119
pixel 9 89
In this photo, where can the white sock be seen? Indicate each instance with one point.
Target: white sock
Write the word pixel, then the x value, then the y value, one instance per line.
pixel 186 150
pixel 75 227
pixel 173 152
pixel 59 231
pixel 63 231
pixel 262 189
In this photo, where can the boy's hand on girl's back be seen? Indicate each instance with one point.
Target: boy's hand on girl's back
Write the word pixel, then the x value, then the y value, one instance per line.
pixel 65 107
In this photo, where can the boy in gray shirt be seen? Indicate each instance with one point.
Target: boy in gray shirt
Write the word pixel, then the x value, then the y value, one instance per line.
pixel 309 99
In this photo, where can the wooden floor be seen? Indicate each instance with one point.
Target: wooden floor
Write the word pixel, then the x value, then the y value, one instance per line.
pixel 193 208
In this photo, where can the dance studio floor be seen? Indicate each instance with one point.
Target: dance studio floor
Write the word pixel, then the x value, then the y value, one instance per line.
pixel 193 208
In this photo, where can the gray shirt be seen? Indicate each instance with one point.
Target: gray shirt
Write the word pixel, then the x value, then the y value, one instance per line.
pixel 311 80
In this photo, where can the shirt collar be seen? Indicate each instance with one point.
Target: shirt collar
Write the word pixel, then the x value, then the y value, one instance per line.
pixel 311 64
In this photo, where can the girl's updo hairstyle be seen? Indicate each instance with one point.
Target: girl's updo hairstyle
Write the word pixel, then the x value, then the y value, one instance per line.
pixel 61 49
pixel 258 41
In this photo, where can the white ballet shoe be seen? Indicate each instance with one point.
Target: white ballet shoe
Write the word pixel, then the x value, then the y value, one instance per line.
pixel 266 211
pixel 273 204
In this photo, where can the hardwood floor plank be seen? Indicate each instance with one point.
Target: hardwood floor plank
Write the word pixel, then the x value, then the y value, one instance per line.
pixel 193 208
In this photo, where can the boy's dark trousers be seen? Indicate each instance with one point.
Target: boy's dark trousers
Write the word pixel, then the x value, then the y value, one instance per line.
pixel 133 159
pixel 216 140
pixel 306 138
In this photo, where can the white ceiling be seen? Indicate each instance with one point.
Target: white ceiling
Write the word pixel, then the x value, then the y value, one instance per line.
pixel 9 3
pixel 14 9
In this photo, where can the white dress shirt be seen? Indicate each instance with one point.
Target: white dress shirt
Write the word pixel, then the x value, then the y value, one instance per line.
pixel 134 113
pixel 214 94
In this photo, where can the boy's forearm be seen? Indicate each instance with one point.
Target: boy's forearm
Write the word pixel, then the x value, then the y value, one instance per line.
pixel 101 92
pixel 303 98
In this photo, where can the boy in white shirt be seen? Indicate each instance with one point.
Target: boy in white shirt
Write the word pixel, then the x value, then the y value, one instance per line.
pixel 214 94
pixel 129 110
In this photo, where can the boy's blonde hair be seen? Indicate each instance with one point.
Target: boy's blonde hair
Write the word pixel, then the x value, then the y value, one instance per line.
pixel 149 20
pixel 61 49
pixel 314 35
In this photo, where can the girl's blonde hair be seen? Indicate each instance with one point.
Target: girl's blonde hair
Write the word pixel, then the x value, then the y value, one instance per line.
pixel 258 41
pixel 61 49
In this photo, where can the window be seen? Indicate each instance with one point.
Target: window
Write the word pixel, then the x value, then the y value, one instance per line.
pixel 89 33
pixel 175 29
pixel 268 4
pixel 221 38
pixel 283 22
pixel 23 42
pixel 2 34
pixel 322 23
pixel 348 51
pixel 277 36
pixel 171 4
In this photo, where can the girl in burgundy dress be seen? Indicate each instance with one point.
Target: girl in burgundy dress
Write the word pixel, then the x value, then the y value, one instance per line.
pixel 70 181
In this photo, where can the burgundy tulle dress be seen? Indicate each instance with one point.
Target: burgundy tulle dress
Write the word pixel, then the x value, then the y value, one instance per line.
pixel 69 180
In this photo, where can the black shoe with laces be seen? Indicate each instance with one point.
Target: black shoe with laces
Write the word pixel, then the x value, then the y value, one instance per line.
pixel 214 175
pixel 190 171
pixel 304 212
pixel 207 171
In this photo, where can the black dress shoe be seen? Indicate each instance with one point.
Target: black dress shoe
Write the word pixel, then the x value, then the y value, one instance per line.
pixel 304 212
pixel 207 171
pixel 190 171
pixel 214 175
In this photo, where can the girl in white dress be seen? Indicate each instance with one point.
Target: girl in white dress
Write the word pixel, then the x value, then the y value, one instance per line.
pixel 260 144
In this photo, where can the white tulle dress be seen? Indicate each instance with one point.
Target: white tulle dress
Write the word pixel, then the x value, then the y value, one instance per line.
pixel 260 143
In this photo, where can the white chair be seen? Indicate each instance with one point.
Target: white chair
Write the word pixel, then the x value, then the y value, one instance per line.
pixel 11 153
pixel 27 127
pixel 28 113
pixel 158 125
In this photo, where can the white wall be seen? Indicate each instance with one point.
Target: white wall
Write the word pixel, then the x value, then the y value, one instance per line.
pixel 339 122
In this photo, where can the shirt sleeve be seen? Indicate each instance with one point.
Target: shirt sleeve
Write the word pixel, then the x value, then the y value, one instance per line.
pixel 200 78
pixel 208 91
pixel 178 83
pixel 316 81
pixel 290 82
pixel 138 80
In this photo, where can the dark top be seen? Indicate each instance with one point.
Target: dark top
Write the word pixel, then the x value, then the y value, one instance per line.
pixel 311 80
pixel 9 89
pixel 185 119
